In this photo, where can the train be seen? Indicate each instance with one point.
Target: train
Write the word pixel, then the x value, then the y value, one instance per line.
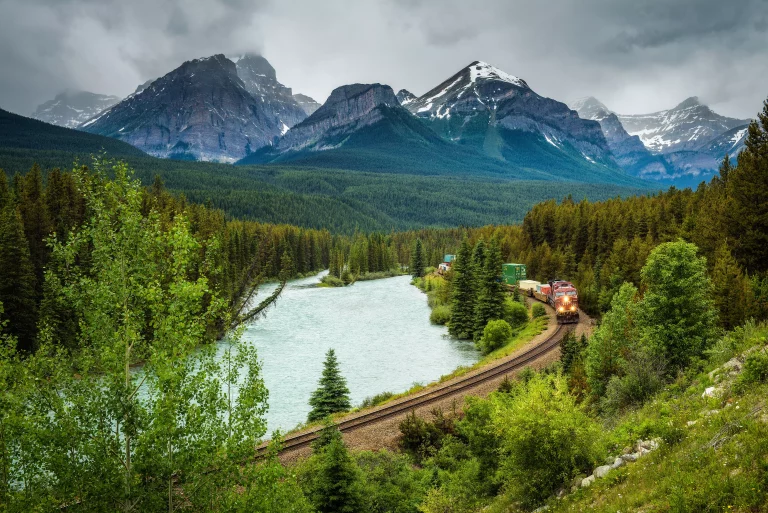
pixel 561 295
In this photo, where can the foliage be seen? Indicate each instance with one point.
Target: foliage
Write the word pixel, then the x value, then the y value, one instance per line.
pixel 376 400
pixel 538 310
pixel 755 369
pixel 440 314
pixel 515 313
pixel 421 438
pixel 547 438
pixel 677 315
pixel 495 335
pixel 464 293
pixel 489 304
pixel 332 394
pixel 331 281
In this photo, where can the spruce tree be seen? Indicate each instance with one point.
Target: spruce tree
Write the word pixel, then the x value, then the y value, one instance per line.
pixel 332 395
pixel 491 294
pixel 17 278
pixel 462 323
pixel 337 483
pixel 417 260
pixel 729 288
pixel 748 198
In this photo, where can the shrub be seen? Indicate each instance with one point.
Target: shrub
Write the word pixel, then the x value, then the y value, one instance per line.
pixel 496 334
pixel 538 310
pixel 547 438
pixel 755 369
pixel 644 377
pixel 331 281
pixel 420 438
pixel 516 314
pixel 376 399
pixel 440 315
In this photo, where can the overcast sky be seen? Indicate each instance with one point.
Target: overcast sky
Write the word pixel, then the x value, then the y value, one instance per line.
pixel 636 56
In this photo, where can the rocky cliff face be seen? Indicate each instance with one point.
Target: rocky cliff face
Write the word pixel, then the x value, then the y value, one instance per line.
pixel 307 103
pixel 260 79
pixel 628 150
pixel 486 106
pixel 200 111
pixel 405 97
pixel 70 109
pixel 684 127
pixel 348 108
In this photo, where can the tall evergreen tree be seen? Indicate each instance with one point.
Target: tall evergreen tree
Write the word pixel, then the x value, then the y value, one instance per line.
pixel 17 278
pixel 332 394
pixel 748 193
pixel 417 260
pixel 37 223
pixel 491 294
pixel 462 323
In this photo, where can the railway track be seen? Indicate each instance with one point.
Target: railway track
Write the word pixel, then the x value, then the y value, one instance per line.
pixel 304 439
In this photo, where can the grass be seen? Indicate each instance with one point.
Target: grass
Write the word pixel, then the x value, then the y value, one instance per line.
pixel 714 455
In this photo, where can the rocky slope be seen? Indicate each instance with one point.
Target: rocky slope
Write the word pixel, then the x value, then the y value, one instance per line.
pixel 491 110
pixel 70 109
pixel 201 110
pixel 628 150
pixel 307 103
pixel 260 79
pixel 404 96
pixel 685 127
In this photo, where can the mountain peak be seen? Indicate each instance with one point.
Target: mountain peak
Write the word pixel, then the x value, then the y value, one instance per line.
pixel 480 70
pixel 404 96
pixel 693 101
pixel 379 95
pixel 590 107
pixel 256 64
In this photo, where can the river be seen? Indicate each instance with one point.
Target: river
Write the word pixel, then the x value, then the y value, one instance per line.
pixel 379 329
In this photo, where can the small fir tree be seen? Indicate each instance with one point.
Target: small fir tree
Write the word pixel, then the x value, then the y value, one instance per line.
pixel 332 395
pixel 417 260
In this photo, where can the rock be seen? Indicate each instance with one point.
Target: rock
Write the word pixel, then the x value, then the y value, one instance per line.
pixel 654 444
pixel 709 413
pixel 645 444
pixel 602 471
pixel 629 457
pixel 691 423
pixel 560 493
pixel 711 392
pixel 577 480
pixel 574 488
pixel 587 481
pixel 618 462
pixel 539 510
pixel 626 450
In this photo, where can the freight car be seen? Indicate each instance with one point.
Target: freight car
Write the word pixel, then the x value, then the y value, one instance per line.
pixel 560 295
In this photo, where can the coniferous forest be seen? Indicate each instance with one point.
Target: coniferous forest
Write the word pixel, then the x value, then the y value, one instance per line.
pixel 112 397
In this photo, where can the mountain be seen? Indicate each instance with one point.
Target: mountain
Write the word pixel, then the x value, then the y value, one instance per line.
pixel 730 143
pixel 684 127
pixel 22 133
pixel 628 150
pixel 499 115
pixel 305 102
pixel 70 109
pixel 260 79
pixel 199 111
pixel 405 97
pixel 143 86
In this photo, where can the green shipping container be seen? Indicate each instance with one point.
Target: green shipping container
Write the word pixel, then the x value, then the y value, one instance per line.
pixel 513 273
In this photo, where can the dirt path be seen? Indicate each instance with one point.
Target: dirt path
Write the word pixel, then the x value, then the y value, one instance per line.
pixel 384 433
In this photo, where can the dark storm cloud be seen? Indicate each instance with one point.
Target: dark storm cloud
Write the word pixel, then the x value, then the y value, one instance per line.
pixel 634 55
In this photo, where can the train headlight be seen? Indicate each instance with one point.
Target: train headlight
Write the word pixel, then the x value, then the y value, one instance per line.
pixel 561 309
pixel 573 308
pixel 567 299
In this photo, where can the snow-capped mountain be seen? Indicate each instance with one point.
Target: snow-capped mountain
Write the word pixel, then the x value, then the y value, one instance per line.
pixel 685 127
pixel 307 103
pixel 490 109
pixel 260 79
pixel 201 111
pixel 404 96
pixel 730 143
pixel 70 109
pixel 628 150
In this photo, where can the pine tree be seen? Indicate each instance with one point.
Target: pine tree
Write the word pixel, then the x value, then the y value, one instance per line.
pixel 337 483
pixel 332 395
pixel 17 278
pixel 728 288
pixel 462 323
pixel 748 198
pixel 491 294
pixel 417 260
